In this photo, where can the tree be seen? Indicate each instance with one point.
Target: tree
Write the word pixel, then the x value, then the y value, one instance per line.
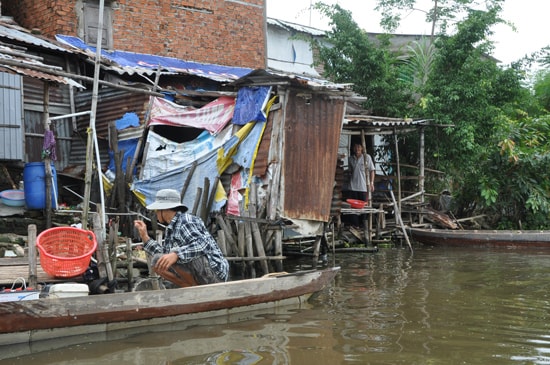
pixel 542 89
pixel 442 13
pixel 353 58
pixel 494 154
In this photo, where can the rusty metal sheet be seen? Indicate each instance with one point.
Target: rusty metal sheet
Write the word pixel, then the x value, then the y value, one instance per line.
pixel 312 131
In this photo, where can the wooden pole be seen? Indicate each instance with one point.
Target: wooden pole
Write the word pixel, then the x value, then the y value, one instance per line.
pixel 47 159
pixel 104 265
pixel 421 177
pixel 399 220
pixel 252 208
pixel 197 201
pixel 33 267
pixel 398 168
pixel 91 130
pixel 229 237
pixel 367 223
pixel 130 168
pixel 188 179
pixel 204 202
pixel 249 248
pixel 129 263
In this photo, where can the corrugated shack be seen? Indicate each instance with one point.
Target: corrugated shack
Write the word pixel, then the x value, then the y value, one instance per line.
pixel 253 152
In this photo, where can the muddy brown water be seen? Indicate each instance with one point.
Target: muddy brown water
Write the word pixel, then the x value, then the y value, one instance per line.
pixel 436 306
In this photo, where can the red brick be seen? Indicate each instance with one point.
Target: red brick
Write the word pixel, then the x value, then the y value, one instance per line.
pixel 232 34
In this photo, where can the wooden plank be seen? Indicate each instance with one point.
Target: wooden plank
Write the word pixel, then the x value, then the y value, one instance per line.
pixel 8 274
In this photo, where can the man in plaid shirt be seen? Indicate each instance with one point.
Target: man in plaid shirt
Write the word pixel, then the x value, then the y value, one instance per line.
pixel 189 255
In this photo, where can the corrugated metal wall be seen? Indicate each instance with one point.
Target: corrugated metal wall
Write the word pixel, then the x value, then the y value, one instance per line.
pixel 59 104
pixel 112 105
pixel 11 132
pixel 313 124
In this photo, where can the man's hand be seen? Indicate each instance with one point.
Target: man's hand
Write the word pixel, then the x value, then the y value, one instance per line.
pixel 166 261
pixel 142 230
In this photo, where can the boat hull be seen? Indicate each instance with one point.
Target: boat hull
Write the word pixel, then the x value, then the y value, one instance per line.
pixel 481 238
pixel 35 320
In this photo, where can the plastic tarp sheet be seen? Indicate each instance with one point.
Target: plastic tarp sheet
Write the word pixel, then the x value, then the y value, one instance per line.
pixel 129 145
pixel 209 166
pixel 244 157
pixel 213 116
pixel 164 154
pixel 250 105
pixel 140 61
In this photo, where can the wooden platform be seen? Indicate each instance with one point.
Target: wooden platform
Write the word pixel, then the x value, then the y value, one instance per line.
pixel 16 267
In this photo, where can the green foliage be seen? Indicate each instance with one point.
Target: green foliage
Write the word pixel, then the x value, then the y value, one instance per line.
pixel 492 140
pixel 542 89
pixel 417 64
pixel 494 154
pixel 354 58
pixel 442 13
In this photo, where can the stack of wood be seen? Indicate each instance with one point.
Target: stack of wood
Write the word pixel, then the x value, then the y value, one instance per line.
pixel 247 238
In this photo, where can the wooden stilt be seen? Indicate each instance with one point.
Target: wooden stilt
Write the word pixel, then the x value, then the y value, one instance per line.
pixel 31 242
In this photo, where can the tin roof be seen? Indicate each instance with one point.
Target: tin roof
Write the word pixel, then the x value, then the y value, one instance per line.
pixel 22 35
pixel 15 58
pixel 274 77
pixel 295 27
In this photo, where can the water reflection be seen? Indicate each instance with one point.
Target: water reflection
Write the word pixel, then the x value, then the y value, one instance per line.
pixel 438 306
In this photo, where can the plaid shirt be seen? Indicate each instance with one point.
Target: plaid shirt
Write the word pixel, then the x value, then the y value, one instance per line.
pixel 187 236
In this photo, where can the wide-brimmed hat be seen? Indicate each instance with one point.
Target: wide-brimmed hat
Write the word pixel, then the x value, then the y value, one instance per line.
pixel 166 199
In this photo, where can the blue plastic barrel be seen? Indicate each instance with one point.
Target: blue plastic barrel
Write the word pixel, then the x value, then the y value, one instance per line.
pixel 34 179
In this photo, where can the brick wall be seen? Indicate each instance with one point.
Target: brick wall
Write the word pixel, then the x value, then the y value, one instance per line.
pixel 225 32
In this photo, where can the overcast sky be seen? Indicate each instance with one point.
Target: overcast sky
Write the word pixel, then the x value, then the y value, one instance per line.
pixel 529 16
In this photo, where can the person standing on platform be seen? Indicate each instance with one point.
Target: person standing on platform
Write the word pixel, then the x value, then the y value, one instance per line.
pixel 359 163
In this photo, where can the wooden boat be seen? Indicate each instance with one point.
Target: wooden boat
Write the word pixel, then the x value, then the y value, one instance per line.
pixel 481 238
pixel 28 321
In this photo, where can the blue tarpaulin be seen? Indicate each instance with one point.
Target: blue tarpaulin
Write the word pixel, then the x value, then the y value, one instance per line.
pixel 250 104
pixel 152 62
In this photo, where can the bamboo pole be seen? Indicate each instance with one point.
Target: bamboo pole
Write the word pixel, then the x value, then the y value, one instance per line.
pixel 92 138
pixel 58 72
pixel 400 220
pixel 256 258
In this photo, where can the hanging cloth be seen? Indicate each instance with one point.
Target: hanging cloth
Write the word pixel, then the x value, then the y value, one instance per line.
pixel 48 149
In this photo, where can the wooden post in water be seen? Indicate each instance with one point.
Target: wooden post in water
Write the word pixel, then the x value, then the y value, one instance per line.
pixel 103 262
pixel 129 263
pixel 31 241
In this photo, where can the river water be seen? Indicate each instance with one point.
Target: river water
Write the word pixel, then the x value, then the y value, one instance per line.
pixel 435 306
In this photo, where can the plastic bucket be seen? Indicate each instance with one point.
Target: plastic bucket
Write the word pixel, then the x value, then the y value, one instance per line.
pixel 34 179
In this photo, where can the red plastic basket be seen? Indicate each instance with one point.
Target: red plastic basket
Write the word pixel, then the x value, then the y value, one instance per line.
pixel 65 251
